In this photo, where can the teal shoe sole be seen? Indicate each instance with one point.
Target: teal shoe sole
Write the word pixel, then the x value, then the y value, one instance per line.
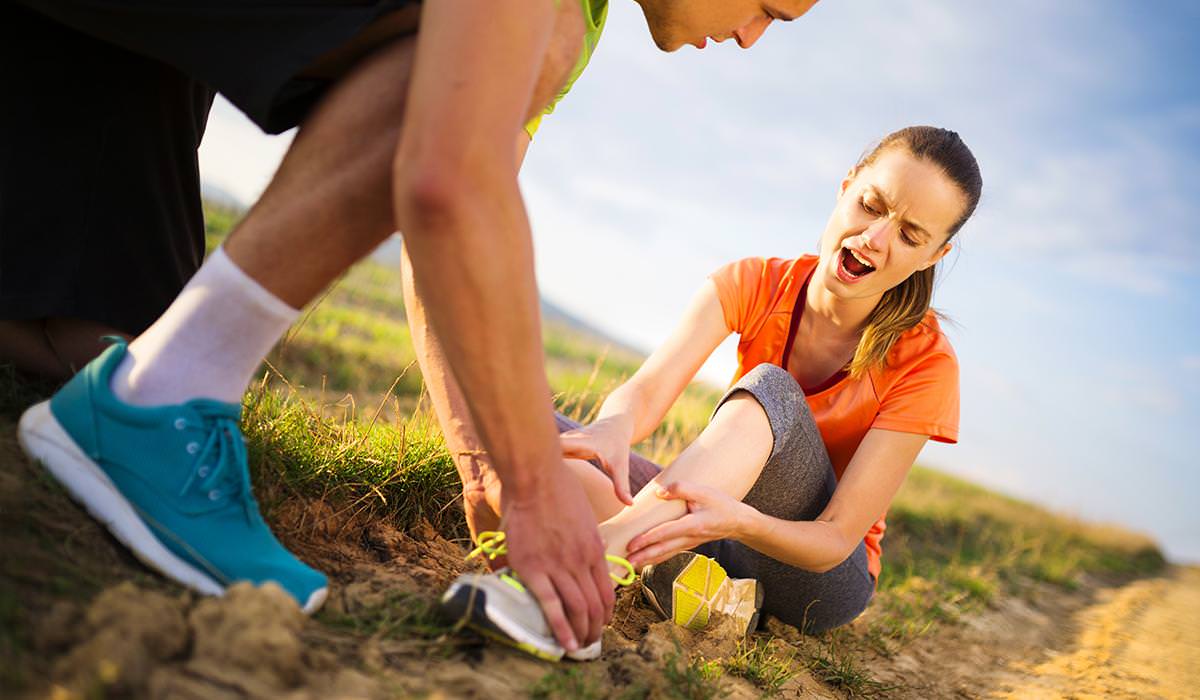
pixel 46 442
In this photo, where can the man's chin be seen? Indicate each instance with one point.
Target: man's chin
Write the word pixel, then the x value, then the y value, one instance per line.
pixel 669 44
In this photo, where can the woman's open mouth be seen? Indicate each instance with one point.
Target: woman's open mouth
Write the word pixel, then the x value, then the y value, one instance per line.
pixel 852 268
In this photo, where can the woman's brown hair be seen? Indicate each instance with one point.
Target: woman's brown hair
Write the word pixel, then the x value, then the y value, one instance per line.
pixel 905 305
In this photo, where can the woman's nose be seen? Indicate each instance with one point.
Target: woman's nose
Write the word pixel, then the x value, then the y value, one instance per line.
pixel 876 236
pixel 750 33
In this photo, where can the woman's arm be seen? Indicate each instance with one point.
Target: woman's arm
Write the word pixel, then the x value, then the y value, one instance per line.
pixel 647 396
pixel 864 492
pixel 633 410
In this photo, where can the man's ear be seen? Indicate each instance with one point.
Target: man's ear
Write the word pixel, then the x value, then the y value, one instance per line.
pixel 941 253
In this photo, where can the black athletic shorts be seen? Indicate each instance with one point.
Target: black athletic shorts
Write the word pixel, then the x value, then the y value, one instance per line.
pixel 100 213
pixel 104 106
pixel 250 51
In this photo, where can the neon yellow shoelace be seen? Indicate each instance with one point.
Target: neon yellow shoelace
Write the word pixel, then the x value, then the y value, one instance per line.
pixel 490 543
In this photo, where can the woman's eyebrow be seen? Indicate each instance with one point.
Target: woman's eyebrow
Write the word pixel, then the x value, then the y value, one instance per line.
pixel 911 225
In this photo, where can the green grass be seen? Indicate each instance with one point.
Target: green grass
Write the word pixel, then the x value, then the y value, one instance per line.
pixel 359 464
pixel 567 684
pixel 398 615
pixel 840 670
pixel 766 663
pixel 952 546
pixel 692 678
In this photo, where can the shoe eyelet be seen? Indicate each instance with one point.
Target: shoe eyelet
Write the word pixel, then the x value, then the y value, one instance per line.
pixel 193 448
pixel 180 424
pixel 202 471
pixel 214 495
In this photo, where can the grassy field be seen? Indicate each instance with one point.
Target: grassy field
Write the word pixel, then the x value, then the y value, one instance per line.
pixel 338 433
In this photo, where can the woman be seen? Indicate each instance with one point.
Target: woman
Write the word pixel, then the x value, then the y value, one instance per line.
pixel 843 375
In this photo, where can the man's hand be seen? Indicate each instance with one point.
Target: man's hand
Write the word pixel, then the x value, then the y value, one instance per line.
pixel 606 440
pixel 554 547
pixel 712 515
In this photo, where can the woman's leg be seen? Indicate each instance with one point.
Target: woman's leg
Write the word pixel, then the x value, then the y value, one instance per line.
pixel 595 481
pixel 796 484
pixel 728 455
pixel 764 448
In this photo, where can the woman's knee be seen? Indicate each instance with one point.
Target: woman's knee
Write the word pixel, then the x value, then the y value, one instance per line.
pixel 779 395
pixel 782 401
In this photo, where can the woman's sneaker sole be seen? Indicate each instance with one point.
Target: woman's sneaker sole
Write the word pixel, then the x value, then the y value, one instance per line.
pixel 44 440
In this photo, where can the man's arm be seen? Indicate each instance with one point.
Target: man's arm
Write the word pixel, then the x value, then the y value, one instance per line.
pixel 467 234
pixel 481 489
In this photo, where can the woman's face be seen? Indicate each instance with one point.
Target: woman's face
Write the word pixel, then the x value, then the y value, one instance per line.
pixel 674 23
pixel 892 219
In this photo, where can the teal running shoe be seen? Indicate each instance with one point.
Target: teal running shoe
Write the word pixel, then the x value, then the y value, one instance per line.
pixel 170 482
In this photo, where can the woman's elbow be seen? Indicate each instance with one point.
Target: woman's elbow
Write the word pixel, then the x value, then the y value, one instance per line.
pixel 841 549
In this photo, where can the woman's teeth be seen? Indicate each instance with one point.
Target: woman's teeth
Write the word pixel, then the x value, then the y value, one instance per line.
pixel 855 265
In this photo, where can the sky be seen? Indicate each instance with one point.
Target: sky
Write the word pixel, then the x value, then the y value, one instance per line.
pixel 1075 290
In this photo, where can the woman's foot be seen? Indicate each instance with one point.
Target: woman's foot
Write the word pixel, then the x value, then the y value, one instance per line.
pixel 689 587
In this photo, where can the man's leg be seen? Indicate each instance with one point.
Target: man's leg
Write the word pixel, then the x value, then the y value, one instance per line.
pixel 101 225
pixel 54 348
pixel 327 206
pixel 170 481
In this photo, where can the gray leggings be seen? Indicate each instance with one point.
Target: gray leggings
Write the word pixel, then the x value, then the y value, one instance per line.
pixel 796 483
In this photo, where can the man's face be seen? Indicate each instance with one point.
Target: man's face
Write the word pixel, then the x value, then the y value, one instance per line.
pixel 674 23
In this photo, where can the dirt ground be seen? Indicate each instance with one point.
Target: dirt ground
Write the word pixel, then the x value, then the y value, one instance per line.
pixel 91 622
pixel 1138 641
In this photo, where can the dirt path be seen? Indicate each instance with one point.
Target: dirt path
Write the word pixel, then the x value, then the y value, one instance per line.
pixel 1138 641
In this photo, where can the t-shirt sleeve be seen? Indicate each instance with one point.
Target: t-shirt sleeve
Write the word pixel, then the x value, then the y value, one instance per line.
pixel 740 287
pixel 924 400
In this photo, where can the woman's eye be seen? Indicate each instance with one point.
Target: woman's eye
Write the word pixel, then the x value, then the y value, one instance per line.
pixel 868 208
pixel 907 238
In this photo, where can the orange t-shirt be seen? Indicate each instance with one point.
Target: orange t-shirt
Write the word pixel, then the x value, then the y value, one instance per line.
pixel 916 392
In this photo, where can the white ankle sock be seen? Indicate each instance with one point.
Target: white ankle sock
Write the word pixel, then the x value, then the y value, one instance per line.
pixel 208 343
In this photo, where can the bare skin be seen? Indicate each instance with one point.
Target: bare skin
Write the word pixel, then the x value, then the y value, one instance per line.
pixel 674 24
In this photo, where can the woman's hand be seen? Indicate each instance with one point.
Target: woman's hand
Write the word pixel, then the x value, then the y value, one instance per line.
pixel 606 440
pixel 712 515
